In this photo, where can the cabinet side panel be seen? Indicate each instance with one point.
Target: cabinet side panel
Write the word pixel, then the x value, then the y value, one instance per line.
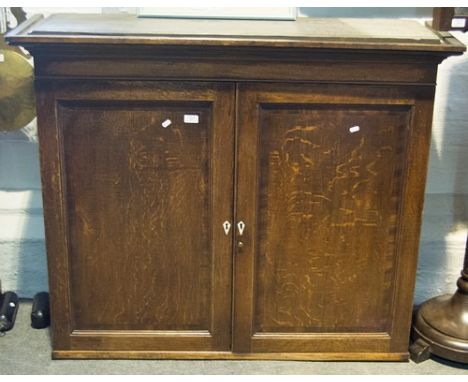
pixel 54 214
pixel 411 216
pixel 330 181
pixel 138 214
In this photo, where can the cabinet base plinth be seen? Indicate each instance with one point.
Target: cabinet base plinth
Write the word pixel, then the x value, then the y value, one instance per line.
pixel 96 354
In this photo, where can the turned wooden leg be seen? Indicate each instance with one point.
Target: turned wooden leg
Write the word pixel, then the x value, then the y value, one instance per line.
pixel 420 351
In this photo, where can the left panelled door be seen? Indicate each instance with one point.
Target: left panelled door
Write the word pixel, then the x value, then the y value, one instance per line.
pixel 137 182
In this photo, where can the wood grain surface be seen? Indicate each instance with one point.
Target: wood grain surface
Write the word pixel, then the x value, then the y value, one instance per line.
pixel 138 201
pixel 144 207
pixel 323 206
pixel 327 212
pixel 93 354
pixel 236 64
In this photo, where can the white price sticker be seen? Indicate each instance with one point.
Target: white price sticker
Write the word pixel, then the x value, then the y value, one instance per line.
pixel 166 123
pixel 191 118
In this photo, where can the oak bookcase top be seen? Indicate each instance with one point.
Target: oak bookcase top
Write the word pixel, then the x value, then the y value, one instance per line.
pixel 326 33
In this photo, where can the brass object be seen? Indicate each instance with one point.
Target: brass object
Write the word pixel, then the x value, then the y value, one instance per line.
pixel 17 106
pixel 441 324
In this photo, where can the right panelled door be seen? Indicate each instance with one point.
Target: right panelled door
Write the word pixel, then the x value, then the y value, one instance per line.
pixel 322 190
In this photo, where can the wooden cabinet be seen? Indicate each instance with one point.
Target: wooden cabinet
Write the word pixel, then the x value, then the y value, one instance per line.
pixel 203 202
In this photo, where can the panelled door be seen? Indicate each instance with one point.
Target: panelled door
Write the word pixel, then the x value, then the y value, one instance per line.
pixel 320 189
pixel 137 185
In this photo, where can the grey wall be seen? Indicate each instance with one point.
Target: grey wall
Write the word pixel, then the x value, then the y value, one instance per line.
pixel 22 250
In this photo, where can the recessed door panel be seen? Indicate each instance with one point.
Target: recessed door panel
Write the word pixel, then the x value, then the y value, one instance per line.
pixel 138 195
pixel 327 208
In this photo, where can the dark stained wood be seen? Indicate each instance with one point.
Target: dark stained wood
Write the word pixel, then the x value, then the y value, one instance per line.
pixel 323 207
pixel 328 201
pixel 139 263
pixel 410 217
pixel 351 356
pixel 145 209
pixel 315 50
pixel 442 18
pixel 54 217
pixel 142 206
pixel 240 64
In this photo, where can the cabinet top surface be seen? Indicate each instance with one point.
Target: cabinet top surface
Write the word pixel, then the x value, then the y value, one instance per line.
pixel 380 34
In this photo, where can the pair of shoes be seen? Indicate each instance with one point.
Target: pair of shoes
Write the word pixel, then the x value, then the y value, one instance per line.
pixel 9 302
